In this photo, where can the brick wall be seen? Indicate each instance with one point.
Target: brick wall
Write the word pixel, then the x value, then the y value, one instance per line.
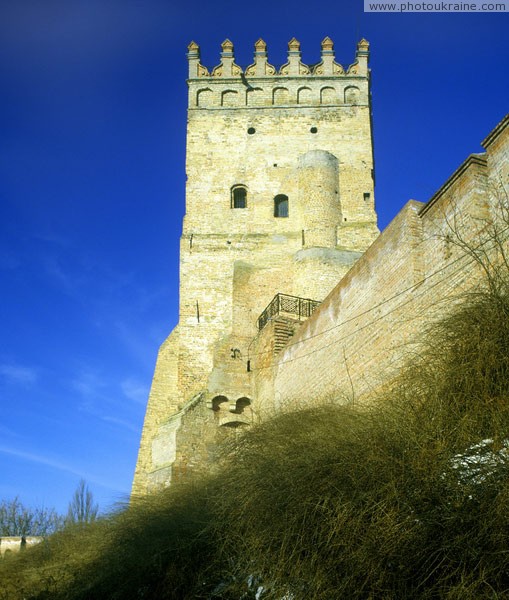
pixel 304 132
pixel 412 274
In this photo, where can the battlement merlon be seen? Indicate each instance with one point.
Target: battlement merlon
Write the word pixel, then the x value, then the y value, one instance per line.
pixel 294 67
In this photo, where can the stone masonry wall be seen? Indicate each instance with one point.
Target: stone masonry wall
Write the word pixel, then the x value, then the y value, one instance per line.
pixel 14 544
pixel 412 274
pixel 303 132
pixel 301 135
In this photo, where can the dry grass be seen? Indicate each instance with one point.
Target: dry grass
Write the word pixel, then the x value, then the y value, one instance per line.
pixel 154 549
pixel 406 500
pixel 396 502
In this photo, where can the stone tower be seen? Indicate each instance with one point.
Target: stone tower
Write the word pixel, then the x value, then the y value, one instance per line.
pixel 279 200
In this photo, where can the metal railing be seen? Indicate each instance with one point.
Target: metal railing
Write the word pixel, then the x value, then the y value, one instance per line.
pixel 302 308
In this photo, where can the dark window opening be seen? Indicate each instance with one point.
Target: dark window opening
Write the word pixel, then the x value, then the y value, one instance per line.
pixel 217 401
pixel 239 197
pixel 367 196
pixel 313 130
pixel 281 206
pixel 251 130
pixel 240 405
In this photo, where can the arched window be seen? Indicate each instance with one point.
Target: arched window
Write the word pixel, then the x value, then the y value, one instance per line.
pixel 217 401
pixel 281 206
pixel 240 405
pixel 239 196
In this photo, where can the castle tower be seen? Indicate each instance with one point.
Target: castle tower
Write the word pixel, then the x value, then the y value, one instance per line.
pixel 279 200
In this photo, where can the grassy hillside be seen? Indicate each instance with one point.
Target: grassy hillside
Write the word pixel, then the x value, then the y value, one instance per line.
pixel 408 498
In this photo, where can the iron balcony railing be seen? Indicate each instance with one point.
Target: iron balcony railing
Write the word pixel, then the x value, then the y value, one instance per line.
pixel 282 303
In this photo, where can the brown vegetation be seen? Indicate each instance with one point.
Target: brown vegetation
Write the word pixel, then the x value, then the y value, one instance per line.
pixel 406 499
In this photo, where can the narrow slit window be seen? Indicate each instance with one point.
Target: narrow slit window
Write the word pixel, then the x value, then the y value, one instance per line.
pixel 281 206
pixel 239 197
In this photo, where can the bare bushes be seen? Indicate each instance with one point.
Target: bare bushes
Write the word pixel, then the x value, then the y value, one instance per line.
pixel 155 549
pixel 408 499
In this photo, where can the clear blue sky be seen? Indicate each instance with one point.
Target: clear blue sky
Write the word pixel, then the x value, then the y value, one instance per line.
pixel 92 112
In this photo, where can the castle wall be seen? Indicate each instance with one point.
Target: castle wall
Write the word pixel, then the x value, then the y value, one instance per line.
pixel 498 165
pixel 412 274
pixel 163 401
pixel 260 132
pixel 341 342
pixel 279 198
pixel 15 544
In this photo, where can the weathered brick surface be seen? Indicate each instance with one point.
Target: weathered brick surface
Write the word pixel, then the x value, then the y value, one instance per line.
pixel 305 133
pixel 412 274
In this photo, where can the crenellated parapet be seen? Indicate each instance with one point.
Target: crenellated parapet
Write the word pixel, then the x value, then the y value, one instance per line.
pixel 260 67
pixel 292 67
pixel 328 66
pixel 261 84
pixel 196 69
pixel 227 67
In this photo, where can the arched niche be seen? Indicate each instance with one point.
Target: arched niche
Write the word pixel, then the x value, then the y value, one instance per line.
pixel 328 95
pixel 229 98
pixel 255 97
pixel 233 424
pixel 240 405
pixel 304 95
pixel 352 94
pixel 205 97
pixel 280 95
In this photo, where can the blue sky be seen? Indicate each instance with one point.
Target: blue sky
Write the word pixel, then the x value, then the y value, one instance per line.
pixel 92 149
